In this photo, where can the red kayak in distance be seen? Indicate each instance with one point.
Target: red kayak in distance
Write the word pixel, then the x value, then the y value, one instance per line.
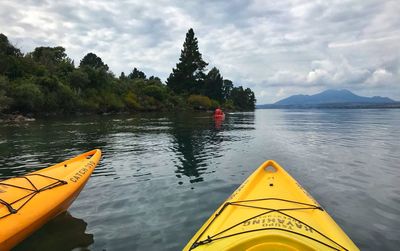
pixel 219 116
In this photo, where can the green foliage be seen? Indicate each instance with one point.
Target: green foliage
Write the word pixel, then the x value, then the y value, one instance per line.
pixel 243 99
pixel 227 87
pixel 213 85
pixel 93 61
pixel 68 101
pixel 177 102
pixel 10 59
pixel 131 101
pixel 28 96
pixel 78 79
pixel 136 74
pixel 214 104
pixel 122 76
pixel 110 102
pixel 53 59
pixel 155 91
pixel 6 48
pixel 188 76
pixel 150 104
pixel 98 77
pixel 199 102
pixel 5 101
pixel 229 105
pixel 46 81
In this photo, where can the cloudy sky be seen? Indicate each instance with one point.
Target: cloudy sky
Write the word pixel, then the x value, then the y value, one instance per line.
pixel 277 48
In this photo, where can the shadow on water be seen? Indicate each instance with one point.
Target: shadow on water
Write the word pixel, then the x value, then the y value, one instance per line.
pixel 198 140
pixel 64 232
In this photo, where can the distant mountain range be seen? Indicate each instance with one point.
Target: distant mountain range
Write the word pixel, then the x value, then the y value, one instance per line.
pixel 332 99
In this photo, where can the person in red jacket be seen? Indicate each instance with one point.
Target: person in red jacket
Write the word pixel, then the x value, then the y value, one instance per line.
pixel 218 112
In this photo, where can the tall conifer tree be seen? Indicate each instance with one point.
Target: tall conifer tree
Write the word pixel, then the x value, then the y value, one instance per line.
pixel 188 76
pixel 213 85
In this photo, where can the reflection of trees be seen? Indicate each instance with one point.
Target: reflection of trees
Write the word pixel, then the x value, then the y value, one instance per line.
pixel 62 233
pixel 48 141
pixel 195 141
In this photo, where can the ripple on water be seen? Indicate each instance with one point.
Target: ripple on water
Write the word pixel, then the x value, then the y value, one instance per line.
pixel 162 176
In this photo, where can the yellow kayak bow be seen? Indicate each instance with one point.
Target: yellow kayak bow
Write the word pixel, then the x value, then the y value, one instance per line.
pixel 270 211
pixel 28 202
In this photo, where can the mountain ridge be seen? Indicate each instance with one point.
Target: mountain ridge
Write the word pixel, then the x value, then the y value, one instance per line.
pixel 331 98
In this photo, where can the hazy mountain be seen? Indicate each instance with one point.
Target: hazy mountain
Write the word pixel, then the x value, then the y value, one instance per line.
pixel 332 97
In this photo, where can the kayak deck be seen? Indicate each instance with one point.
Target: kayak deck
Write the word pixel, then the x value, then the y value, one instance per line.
pixel 270 211
pixel 29 201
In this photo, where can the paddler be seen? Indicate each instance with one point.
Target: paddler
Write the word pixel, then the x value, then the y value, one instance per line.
pixel 218 112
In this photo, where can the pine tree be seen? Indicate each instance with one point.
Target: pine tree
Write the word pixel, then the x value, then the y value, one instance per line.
pixel 122 76
pixel 93 61
pixel 188 76
pixel 213 85
pixel 136 74
pixel 227 87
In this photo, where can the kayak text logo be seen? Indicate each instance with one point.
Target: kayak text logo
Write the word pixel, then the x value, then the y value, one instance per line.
pixel 81 172
pixel 269 221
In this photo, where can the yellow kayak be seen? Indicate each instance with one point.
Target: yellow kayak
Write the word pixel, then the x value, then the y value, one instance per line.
pixel 28 202
pixel 270 211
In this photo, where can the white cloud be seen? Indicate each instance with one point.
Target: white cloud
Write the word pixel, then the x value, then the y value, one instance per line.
pixel 277 48
pixel 380 77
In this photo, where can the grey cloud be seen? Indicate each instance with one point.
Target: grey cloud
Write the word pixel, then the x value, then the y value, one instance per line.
pixel 276 48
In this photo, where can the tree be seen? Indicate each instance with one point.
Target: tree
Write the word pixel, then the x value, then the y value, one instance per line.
pixel 136 74
pixel 251 99
pixel 5 101
pixel 10 59
pixel 49 55
pixel 243 99
pixel 96 70
pixel 213 84
pixel 93 61
pixel 6 48
pixel 227 87
pixel 54 59
pixel 78 80
pixel 155 78
pixel 28 96
pixel 122 76
pixel 189 72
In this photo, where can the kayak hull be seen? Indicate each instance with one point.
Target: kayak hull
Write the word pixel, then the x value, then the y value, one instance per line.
pixel 37 208
pixel 270 211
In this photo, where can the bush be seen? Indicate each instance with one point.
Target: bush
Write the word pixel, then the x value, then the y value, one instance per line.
pixel 229 105
pixel 5 101
pixel 155 91
pixel 131 101
pixel 28 97
pixel 67 99
pixel 214 104
pixel 199 102
pixel 110 102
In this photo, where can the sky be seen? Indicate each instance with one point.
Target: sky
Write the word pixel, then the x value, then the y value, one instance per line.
pixel 277 48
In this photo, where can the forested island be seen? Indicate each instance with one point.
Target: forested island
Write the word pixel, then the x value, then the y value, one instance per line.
pixel 47 82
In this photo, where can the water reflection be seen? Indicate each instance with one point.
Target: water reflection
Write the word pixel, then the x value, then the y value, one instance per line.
pixel 199 141
pixel 64 232
pixel 192 140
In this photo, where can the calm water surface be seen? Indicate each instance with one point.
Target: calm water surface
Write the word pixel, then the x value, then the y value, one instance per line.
pixel 162 175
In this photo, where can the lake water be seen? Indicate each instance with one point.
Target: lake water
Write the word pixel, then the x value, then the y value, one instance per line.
pixel 163 175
